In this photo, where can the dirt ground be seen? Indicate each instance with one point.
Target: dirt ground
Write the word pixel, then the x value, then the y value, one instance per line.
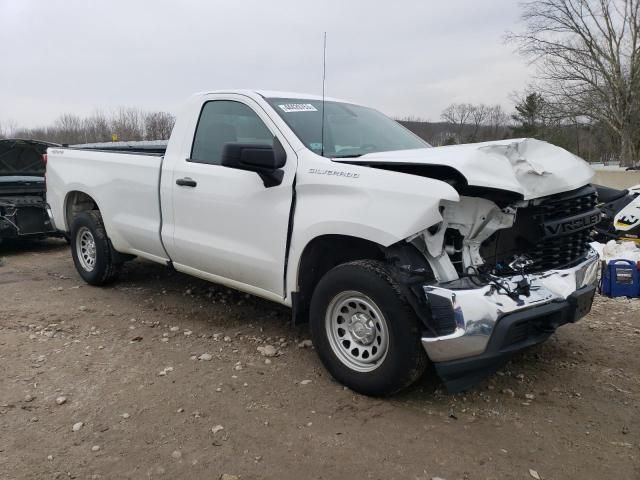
pixel 127 362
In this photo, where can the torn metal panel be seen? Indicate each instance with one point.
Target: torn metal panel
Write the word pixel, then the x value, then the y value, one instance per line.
pixel 431 244
pixel 476 219
pixel 528 167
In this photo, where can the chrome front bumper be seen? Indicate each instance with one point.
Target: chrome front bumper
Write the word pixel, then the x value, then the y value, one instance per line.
pixel 477 311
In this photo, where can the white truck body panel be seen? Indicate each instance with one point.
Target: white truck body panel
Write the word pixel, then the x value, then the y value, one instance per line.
pixel 527 166
pixel 341 199
pixel 124 185
pixel 231 226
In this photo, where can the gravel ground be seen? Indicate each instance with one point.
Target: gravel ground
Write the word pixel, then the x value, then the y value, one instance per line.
pixel 161 376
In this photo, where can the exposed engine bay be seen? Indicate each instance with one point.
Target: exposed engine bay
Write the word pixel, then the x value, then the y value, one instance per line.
pixel 478 237
pixel 510 218
pixel 512 249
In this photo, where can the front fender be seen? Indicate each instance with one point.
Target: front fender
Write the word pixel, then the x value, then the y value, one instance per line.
pixel 381 206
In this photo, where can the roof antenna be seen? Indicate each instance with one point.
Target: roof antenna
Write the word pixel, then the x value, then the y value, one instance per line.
pixel 324 76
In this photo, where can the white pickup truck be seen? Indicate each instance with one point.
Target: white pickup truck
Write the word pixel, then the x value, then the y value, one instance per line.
pixel 398 254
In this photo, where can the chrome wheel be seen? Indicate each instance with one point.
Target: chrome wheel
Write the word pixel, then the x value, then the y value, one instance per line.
pixel 86 249
pixel 357 331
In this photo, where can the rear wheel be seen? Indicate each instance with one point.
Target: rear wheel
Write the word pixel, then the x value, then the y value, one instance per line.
pixel 91 249
pixel 365 332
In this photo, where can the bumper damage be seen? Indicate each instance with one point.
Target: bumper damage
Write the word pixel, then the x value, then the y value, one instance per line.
pixel 491 325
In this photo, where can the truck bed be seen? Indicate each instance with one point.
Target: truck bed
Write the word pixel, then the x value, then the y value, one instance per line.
pixel 126 184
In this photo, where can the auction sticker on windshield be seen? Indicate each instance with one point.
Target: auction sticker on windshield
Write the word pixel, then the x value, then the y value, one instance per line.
pixel 297 107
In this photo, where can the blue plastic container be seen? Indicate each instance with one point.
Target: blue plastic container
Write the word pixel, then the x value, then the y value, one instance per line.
pixel 621 278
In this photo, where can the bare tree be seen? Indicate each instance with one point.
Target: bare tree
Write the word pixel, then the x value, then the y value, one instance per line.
pixel 7 129
pixel 588 54
pixel 97 127
pixel 478 115
pixel 69 128
pixel 457 114
pixel 127 124
pixel 497 121
pixel 158 125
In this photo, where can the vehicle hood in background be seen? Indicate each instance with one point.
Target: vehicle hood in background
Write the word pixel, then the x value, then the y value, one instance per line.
pixel 22 157
pixel 21 185
pixel 529 167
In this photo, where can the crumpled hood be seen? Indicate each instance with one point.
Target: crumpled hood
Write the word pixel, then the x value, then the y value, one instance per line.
pixel 526 166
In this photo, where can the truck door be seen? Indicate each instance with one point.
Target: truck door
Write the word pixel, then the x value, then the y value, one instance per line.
pixel 226 226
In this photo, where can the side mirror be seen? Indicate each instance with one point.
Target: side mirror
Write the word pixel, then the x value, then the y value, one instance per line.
pixel 265 160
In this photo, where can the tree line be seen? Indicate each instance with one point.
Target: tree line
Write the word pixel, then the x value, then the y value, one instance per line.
pixel 532 117
pixel 124 124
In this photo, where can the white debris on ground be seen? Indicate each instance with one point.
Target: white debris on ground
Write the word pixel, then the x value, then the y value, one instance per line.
pixel 268 350
pixel 615 250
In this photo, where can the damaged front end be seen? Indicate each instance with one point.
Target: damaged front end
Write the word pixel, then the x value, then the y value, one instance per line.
pixel 500 276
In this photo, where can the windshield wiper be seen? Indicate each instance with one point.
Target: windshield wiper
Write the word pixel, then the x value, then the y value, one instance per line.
pixel 355 155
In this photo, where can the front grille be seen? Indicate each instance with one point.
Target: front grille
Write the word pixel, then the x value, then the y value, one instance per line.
pixel 568 204
pixel 552 233
pixel 563 249
pixel 559 252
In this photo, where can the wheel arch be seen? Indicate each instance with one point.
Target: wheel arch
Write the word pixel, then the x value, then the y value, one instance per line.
pixel 75 202
pixel 320 255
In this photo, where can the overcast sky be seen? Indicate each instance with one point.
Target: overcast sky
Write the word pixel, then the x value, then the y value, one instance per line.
pixel 404 57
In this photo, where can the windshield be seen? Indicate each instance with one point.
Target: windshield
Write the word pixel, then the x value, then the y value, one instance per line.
pixel 349 130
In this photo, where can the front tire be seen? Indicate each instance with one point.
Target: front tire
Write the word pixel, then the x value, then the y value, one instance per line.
pixel 91 249
pixel 365 332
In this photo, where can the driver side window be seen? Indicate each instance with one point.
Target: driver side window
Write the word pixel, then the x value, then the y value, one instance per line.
pixel 222 122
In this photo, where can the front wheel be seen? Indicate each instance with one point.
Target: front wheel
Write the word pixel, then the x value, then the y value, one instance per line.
pixel 365 332
pixel 91 250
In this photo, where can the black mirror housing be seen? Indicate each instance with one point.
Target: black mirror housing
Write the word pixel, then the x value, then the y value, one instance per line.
pixel 265 160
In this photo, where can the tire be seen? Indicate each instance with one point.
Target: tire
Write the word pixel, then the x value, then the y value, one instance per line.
pixel 91 249
pixel 378 352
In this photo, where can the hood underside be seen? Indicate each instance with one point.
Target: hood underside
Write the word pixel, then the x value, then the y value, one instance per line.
pixel 22 157
pixel 527 167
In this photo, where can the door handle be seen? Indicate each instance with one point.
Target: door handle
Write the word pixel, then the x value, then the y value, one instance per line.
pixel 186 182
